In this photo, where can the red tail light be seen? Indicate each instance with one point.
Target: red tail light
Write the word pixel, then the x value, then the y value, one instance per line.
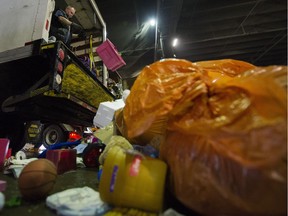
pixel 61 54
pixel 60 67
pixel 74 136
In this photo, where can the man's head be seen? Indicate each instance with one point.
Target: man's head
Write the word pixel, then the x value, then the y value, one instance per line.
pixel 70 11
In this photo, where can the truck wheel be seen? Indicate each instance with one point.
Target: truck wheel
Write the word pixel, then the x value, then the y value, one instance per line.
pixel 53 134
pixel 92 153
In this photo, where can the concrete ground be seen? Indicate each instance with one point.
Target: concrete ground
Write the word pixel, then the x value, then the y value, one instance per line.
pixel 72 179
pixel 80 177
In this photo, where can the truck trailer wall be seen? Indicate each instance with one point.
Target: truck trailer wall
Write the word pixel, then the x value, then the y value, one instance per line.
pixel 23 21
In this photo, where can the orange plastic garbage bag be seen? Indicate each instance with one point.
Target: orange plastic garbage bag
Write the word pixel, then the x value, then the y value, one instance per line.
pixel 223 127
pixel 227 151
pixel 159 87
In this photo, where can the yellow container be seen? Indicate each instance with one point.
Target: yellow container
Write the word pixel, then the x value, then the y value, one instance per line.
pixel 130 180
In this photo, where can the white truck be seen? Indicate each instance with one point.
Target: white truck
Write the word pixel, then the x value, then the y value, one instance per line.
pixel 45 83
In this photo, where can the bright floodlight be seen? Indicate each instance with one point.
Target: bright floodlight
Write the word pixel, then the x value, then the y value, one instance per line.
pixel 152 22
pixel 175 42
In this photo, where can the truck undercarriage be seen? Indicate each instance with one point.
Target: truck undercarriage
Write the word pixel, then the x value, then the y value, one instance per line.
pixel 47 82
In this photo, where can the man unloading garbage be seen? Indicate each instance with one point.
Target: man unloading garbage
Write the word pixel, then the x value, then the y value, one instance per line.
pixel 62 28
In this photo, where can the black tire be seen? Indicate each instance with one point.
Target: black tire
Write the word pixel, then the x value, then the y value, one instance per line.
pixel 53 134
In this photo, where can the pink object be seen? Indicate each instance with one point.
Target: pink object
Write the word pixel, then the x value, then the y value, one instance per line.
pixel 9 153
pixel 64 159
pixel 4 145
pixel 110 56
pixel 2 185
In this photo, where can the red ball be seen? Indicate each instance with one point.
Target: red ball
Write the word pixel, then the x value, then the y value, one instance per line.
pixel 37 179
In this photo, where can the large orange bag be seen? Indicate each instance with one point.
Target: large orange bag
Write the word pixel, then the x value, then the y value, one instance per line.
pixel 227 152
pixel 162 85
pixel 223 126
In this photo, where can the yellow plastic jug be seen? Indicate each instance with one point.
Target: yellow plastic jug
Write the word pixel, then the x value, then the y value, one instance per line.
pixel 131 180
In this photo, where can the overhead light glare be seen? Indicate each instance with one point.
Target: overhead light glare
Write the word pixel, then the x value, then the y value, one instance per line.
pixel 152 22
pixel 175 42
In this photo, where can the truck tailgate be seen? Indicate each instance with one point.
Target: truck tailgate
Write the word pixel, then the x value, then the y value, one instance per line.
pixel 75 103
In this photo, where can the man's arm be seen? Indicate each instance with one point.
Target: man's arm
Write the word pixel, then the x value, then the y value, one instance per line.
pixel 67 22
pixel 64 21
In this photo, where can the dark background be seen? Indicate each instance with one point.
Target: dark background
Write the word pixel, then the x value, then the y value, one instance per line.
pixel 250 30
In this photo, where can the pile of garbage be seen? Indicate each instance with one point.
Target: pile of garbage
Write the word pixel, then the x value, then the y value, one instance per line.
pixel 213 133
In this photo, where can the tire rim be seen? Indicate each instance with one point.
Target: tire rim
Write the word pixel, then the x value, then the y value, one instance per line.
pixel 51 137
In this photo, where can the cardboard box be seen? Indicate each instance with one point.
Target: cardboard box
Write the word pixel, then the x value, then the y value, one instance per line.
pixel 106 111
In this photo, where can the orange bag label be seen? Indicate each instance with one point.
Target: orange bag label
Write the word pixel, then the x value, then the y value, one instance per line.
pixel 135 166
